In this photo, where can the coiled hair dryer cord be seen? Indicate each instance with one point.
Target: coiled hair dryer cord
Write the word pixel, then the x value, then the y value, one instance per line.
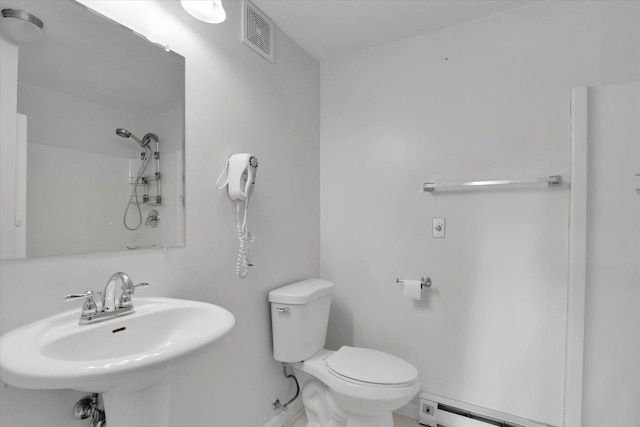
pixel 243 261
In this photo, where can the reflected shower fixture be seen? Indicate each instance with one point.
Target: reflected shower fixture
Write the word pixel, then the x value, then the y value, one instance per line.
pixel 143 180
pixel 21 26
pixel 126 134
pixel 210 11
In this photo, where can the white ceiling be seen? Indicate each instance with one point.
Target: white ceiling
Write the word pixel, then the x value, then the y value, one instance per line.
pixel 331 28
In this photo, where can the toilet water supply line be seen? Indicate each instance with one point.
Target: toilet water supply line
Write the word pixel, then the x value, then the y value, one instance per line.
pixel 284 406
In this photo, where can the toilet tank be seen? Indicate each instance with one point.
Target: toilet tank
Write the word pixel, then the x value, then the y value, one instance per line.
pixel 299 317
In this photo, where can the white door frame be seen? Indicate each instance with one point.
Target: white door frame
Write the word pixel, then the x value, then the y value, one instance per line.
pixel 574 355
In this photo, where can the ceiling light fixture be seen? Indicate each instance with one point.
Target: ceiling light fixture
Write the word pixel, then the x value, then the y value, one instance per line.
pixel 21 26
pixel 210 11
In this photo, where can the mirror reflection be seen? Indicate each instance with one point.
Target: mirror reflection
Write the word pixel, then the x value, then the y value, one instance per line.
pixel 95 161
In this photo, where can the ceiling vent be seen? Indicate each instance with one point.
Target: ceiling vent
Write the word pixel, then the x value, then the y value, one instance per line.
pixel 257 30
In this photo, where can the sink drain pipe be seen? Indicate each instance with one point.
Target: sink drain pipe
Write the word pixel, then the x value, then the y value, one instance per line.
pixel 276 403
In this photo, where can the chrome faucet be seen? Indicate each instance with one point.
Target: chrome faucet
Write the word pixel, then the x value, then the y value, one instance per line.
pixel 109 293
pixel 108 308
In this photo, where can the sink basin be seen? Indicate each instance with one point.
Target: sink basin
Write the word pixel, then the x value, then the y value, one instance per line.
pixel 124 353
pixel 118 357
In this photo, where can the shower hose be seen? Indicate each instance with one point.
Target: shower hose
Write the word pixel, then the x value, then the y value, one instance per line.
pixel 134 193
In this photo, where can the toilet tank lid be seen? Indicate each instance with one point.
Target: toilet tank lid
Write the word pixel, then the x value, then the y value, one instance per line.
pixel 301 292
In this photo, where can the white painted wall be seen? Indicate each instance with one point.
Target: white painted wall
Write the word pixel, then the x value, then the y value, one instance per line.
pixel 235 102
pixel 393 117
pixel 488 99
pixel 612 343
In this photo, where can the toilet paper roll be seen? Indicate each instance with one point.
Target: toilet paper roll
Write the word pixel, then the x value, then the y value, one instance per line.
pixel 412 289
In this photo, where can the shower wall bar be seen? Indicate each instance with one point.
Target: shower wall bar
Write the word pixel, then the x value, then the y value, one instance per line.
pixel 553 180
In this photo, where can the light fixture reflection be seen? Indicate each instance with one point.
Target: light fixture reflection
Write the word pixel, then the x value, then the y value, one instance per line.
pixel 21 26
pixel 210 11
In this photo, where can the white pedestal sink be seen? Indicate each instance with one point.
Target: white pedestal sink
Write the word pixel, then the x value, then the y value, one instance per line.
pixel 129 359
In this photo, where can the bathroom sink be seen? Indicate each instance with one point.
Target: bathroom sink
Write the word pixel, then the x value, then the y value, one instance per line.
pixel 118 355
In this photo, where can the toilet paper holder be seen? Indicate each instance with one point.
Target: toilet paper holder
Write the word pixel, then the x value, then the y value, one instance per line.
pixel 425 281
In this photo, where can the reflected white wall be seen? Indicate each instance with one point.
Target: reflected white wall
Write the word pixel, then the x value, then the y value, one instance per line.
pixel 8 102
pixel 79 174
pixel 66 194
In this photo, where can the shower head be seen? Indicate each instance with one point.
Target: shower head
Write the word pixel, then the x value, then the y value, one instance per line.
pixel 123 133
pixel 126 134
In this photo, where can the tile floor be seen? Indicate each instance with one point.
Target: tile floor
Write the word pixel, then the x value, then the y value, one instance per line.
pixel 300 420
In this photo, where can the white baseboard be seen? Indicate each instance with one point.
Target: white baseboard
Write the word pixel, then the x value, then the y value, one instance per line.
pixel 281 418
pixel 451 420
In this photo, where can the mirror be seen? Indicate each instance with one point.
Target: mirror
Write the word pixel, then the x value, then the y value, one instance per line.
pixel 87 188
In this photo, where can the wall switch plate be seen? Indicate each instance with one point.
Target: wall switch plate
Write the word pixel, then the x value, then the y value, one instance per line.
pixel 428 413
pixel 438 228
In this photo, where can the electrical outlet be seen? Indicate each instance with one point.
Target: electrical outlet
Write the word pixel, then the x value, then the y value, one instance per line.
pixel 428 413
pixel 438 228
pixel 428 409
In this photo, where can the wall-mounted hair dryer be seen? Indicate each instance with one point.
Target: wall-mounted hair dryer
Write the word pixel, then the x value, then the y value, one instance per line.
pixel 240 173
pixel 239 176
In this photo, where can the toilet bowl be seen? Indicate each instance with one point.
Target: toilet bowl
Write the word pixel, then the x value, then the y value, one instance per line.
pixel 351 387
pixel 365 384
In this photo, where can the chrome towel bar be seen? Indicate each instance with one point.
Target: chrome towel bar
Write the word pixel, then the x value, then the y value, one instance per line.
pixel 553 180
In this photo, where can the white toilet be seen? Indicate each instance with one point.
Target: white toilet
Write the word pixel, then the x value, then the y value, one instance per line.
pixel 351 387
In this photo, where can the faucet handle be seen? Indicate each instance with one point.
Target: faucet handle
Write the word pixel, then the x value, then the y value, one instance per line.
pixel 125 298
pixel 71 297
pixel 130 288
pixel 89 307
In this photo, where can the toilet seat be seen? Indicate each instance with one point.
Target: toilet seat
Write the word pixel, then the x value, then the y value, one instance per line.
pixel 370 367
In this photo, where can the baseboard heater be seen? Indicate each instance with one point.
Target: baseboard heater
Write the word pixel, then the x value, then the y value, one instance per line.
pixel 438 411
